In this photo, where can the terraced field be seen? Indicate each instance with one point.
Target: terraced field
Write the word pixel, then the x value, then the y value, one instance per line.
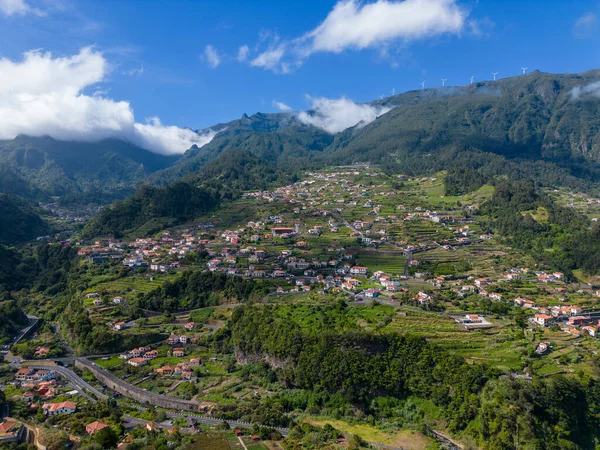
pixel 392 264
pixel 129 285
pixel 498 346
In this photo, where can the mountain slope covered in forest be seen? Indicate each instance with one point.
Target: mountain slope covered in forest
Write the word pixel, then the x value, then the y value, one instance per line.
pixel 19 222
pixel 102 171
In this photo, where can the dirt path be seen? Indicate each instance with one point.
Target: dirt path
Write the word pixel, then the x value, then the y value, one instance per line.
pixel 242 442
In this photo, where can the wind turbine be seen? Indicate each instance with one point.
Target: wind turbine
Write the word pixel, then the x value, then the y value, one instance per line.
pixel 381 97
pixel 444 81
pixel 422 85
pixel 494 73
pixel 524 69
pixel 472 78
pixel 393 91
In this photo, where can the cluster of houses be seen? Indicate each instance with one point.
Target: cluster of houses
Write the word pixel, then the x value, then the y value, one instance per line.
pixel 323 194
pixel 481 285
pixel 139 356
pixel 159 255
pixel 182 369
pixel 40 383
pixel 175 339
pixel 97 301
pixel 35 375
pixel 320 195
pixel 570 318
pixel 13 431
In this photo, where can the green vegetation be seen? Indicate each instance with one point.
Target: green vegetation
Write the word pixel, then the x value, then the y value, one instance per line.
pixel 479 133
pixel 474 400
pixel 12 319
pixel 462 180
pixel 201 315
pixel 199 289
pixel 213 441
pixel 19 222
pixel 100 172
pixel 180 201
pixel 392 264
pixel 565 240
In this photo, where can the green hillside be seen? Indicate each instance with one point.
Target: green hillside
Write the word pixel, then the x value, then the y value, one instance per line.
pixel 528 125
pixel 77 171
pixel 19 222
pixel 12 319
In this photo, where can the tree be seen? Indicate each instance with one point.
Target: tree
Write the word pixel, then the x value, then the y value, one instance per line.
pixel 521 319
pixel 106 437
pixel 355 442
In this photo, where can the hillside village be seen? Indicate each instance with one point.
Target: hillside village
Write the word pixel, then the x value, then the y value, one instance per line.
pixel 330 229
pixel 397 251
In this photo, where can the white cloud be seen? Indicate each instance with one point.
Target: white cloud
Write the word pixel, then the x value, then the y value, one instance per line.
pixel 212 56
pixel 135 71
pixel 592 89
pixel 18 8
pixel 270 58
pixel 585 25
pixel 243 53
pixel 155 134
pixel 281 106
pixel 335 115
pixel 354 25
pixel 44 96
pixel 480 27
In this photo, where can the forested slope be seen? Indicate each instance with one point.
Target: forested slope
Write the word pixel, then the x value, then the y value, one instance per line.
pixel 19 222
pixel 40 167
pixel 497 412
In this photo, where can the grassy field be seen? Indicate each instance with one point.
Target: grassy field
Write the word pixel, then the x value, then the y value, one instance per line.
pixel 201 315
pixel 433 188
pixel 111 363
pixel 128 285
pixel 499 346
pixel 209 441
pixel 405 439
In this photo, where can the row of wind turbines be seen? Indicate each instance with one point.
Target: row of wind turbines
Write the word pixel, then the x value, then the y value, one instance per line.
pixel 472 79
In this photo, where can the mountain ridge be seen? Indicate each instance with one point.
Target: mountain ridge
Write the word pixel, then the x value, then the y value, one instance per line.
pixel 536 117
pixel 42 167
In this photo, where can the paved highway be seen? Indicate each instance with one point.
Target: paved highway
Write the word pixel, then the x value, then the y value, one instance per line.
pixel 33 320
pixel 84 388
pixel 134 392
pixel 81 385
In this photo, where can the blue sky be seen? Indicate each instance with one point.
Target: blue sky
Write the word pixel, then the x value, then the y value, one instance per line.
pixel 157 60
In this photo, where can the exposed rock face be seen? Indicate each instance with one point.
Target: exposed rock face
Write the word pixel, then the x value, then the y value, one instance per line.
pixel 252 358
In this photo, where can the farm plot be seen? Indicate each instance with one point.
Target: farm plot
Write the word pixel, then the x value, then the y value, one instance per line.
pixel 374 261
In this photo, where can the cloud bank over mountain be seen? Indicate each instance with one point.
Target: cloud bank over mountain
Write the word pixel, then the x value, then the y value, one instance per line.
pixel 335 115
pixel 43 95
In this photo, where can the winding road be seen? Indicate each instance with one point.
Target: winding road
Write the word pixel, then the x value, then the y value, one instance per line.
pixel 85 389
pixel 33 321
pixel 78 383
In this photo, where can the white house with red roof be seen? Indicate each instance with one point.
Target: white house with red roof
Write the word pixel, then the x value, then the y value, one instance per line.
pixel 52 409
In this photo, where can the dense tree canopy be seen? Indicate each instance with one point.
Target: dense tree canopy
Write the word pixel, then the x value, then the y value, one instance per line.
pixel 499 412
